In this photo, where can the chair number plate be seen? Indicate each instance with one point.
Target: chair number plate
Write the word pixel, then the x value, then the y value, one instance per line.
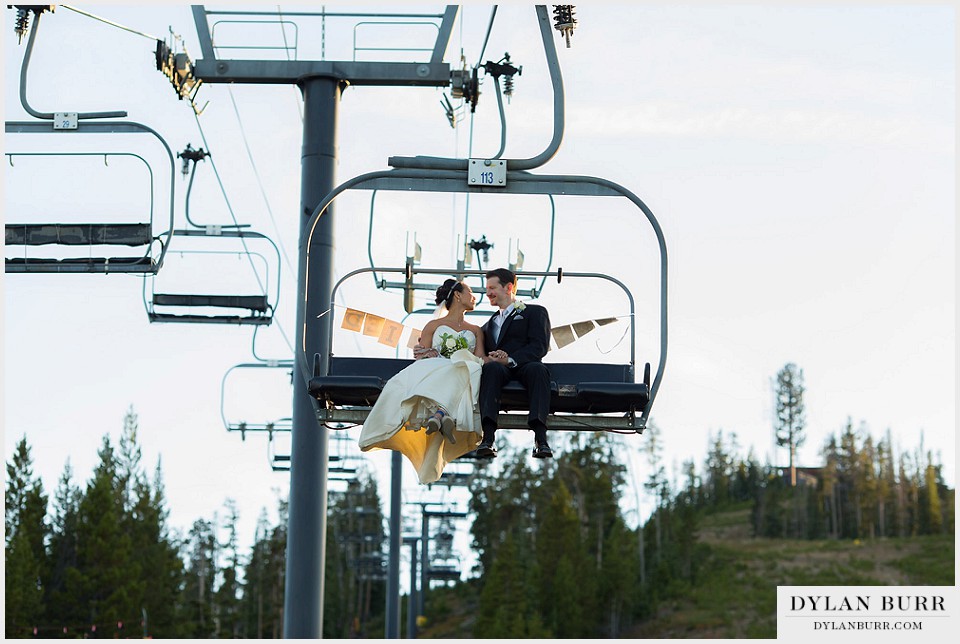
pixel 65 120
pixel 487 173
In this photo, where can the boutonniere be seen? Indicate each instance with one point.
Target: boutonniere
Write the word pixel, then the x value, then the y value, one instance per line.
pixel 519 306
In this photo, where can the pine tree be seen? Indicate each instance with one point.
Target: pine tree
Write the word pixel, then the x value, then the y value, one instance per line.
pixel 159 556
pixel 599 478
pixel 129 474
pixel 886 487
pixel 718 471
pixel 63 608
pixel 931 512
pixel 264 577
pixel 107 577
pixel 255 576
pixel 790 413
pixel 227 596
pixel 197 599
pixel 25 553
pixel 138 518
pixel 508 608
pixel 500 504
pixel 618 576
pixel 656 483
pixel 868 487
pixel 848 469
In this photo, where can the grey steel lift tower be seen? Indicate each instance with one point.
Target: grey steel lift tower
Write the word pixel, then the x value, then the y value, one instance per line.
pixel 321 83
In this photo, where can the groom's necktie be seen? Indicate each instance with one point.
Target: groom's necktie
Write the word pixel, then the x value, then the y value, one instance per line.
pixel 498 326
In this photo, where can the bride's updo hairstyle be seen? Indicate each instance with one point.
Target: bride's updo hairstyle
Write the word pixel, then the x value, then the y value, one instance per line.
pixel 446 291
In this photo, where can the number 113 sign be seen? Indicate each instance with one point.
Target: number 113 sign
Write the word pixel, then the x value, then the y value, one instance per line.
pixel 487 172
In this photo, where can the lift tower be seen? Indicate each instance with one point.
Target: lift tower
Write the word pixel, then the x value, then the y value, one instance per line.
pixel 321 83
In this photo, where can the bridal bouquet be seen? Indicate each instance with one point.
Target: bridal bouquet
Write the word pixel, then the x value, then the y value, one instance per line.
pixel 451 343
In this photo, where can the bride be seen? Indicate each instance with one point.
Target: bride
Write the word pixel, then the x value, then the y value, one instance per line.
pixel 427 412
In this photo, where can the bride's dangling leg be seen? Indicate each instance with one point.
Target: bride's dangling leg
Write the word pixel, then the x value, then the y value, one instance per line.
pixel 442 422
pixel 447 426
pixel 434 422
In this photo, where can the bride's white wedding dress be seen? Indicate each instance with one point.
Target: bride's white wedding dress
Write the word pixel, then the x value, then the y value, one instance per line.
pixel 398 419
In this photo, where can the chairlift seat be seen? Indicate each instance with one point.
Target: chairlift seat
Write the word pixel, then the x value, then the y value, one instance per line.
pixel 443 572
pixel 577 388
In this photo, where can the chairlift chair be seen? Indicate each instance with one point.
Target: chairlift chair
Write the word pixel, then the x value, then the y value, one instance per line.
pixel 69 237
pixel 280 425
pixel 584 397
pixel 246 309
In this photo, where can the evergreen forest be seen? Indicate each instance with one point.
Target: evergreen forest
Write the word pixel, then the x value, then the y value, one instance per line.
pixel 556 554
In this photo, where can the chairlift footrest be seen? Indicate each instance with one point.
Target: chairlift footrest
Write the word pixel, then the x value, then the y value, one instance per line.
pixel 210 319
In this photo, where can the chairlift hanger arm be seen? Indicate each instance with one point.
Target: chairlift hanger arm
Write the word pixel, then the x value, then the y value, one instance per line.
pixel 23 84
pixel 553 65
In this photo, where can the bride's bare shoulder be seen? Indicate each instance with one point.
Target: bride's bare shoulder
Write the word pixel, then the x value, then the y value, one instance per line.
pixel 426 334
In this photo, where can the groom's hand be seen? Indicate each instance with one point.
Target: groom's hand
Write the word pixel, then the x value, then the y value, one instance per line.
pixel 498 356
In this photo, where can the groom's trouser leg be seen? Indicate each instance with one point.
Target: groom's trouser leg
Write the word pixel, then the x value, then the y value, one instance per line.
pixel 493 377
pixel 536 379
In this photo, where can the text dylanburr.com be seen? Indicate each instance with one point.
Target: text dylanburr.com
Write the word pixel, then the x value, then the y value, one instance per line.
pixel 854 613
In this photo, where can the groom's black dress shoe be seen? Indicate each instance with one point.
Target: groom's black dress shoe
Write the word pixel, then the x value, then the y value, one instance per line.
pixel 542 450
pixel 486 449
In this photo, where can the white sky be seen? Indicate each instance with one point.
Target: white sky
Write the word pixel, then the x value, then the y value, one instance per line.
pixel 801 161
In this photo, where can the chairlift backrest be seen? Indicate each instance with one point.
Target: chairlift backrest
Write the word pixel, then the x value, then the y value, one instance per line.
pixel 589 389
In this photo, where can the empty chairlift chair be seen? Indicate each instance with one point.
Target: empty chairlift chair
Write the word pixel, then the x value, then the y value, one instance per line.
pixel 177 305
pixel 83 246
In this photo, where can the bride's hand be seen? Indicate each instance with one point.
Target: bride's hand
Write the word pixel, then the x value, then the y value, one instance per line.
pixel 424 352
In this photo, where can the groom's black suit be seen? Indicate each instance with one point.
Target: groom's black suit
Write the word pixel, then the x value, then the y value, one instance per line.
pixel 525 337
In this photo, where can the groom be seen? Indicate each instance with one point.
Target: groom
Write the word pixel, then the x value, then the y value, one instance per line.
pixel 516 339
